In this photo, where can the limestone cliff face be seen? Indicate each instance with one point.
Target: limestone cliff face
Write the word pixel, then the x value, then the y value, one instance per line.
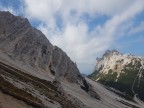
pixel 124 72
pixel 23 43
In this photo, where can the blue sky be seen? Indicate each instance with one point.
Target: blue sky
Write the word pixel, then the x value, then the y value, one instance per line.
pixel 85 29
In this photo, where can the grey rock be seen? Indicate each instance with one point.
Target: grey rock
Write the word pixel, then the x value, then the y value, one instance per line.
pixel 22 42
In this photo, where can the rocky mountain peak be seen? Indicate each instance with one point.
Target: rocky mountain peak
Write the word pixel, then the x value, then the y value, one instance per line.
pixel 110 53
pixel 123 70
pixel 112 59
pixel 29 47
pixel 115 52
pixel 107 53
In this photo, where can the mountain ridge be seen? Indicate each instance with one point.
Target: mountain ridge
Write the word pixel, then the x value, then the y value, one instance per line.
pixel 124 72
pixel 30 46
pixel 22 45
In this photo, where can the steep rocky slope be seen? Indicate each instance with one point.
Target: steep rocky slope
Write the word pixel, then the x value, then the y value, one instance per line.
pixel 123 72
pixel 26 44
pixel 33 70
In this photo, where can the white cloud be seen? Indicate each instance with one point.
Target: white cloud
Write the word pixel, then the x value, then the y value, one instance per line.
pixel 74 37
pixel 46 10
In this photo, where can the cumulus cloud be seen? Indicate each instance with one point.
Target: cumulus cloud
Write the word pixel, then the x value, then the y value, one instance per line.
pixel 62 22
pixel 71 11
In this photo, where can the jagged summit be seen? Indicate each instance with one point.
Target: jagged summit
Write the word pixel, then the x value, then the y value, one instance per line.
pixel 124 72
pixel 109 53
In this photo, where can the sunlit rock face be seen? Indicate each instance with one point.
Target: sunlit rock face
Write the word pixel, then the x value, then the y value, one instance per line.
pixel 124 72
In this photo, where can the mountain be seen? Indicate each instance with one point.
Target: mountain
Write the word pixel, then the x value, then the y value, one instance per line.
pixel 124 72
pixel 26 44
pixel 36 74
pixel 28 59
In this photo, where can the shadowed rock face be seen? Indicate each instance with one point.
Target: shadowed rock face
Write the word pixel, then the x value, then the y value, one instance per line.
pixel 22 42
pixel 29 46
pixel 60 61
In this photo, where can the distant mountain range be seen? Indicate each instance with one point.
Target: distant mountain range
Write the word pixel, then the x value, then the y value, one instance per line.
pixel 124 72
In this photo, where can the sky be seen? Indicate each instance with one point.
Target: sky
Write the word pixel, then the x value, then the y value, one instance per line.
pixel 85 29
